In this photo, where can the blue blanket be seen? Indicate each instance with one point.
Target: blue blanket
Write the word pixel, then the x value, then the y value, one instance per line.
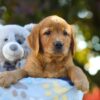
pixel 41 89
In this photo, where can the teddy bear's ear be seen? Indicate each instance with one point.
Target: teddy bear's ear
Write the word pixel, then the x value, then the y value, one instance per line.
pixel 29 27
pixel 33 39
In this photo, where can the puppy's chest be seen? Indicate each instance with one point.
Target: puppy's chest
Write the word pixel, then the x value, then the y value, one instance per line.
pixel 53 70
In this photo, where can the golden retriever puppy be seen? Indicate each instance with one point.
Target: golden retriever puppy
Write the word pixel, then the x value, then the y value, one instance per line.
pixel 53 44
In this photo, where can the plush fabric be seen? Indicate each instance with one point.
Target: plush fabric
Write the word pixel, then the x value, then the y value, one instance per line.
pixel 41 89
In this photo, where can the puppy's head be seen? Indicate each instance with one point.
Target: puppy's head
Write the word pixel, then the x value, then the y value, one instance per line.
pixel 54 36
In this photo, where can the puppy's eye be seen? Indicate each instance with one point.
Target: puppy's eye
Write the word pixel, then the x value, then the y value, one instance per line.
pixel 65 32
pixel 5 39
pixel 47 33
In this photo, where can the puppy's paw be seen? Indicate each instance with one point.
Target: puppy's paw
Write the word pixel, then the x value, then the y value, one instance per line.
pixel 6 79
pixel 82 84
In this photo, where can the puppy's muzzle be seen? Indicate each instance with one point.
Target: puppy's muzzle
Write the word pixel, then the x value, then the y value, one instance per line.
pixel 58 46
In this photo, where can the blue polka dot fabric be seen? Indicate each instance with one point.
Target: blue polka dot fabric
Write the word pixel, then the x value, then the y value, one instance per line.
pixel 41 89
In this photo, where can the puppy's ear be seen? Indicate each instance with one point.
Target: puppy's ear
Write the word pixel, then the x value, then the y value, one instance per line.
pixel 73 42
pixel 33 39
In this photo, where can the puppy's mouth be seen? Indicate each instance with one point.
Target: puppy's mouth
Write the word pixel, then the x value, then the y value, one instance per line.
pixel 55 52
pixel 58 51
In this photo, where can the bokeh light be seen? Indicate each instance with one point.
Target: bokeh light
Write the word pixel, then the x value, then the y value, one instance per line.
pixel 93 65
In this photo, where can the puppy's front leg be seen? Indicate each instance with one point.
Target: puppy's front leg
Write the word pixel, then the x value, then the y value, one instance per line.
pixel 78 78
pixel 9 77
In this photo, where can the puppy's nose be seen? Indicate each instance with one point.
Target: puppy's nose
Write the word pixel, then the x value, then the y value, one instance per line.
pixel 58 45
pixel 13 47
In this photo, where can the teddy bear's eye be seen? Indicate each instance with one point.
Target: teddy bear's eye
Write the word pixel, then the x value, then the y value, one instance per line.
pixel 5 39
pixel 20 41
pixel 19 38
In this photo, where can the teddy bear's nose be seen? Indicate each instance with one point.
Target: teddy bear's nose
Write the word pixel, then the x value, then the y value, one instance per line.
pixel 13 47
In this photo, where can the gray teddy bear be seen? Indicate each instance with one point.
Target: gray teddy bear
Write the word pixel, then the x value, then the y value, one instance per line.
pixel 13 46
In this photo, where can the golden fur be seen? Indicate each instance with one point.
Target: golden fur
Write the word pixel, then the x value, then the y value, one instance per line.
pixel 44 60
